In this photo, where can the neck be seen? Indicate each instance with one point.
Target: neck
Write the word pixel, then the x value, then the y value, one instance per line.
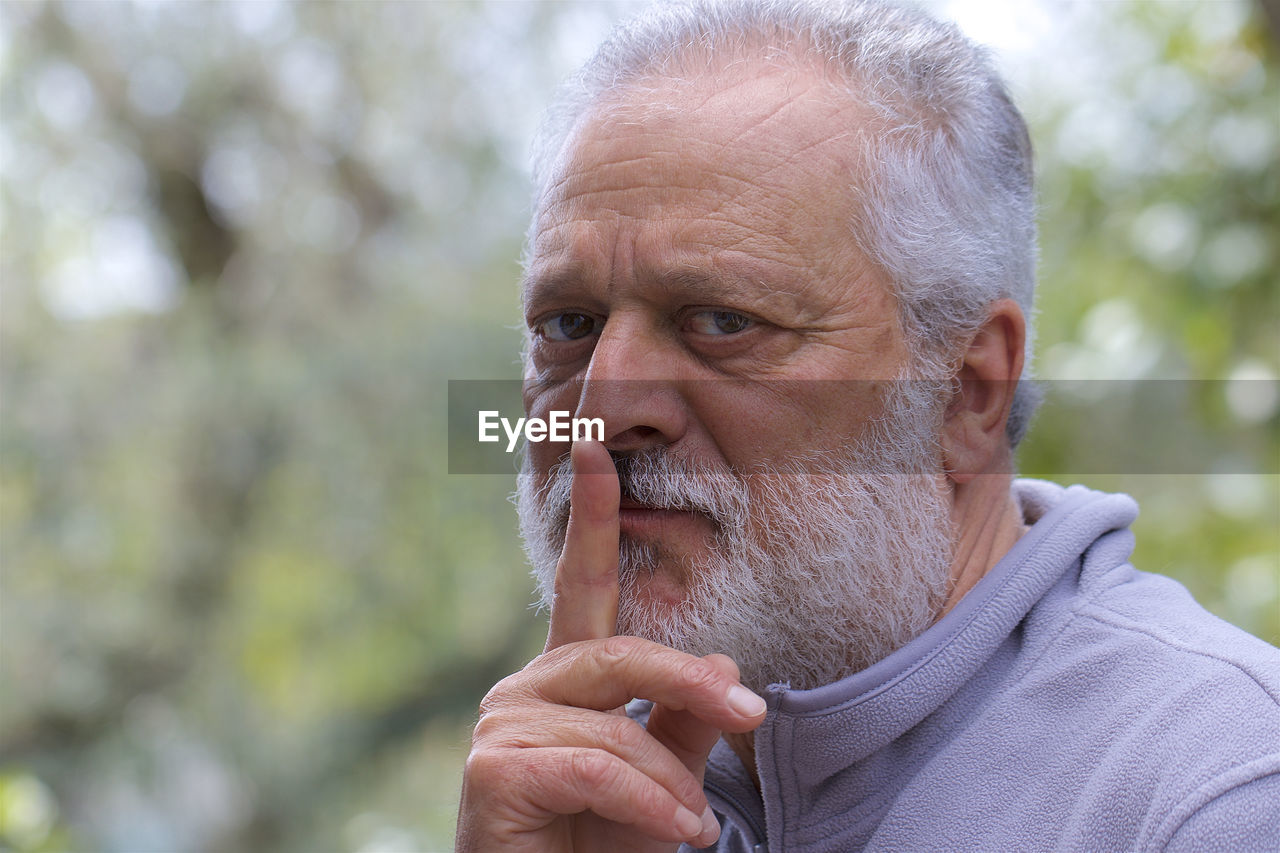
pixel 987 524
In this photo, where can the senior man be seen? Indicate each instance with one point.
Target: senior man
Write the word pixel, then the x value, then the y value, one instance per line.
pixel 786 252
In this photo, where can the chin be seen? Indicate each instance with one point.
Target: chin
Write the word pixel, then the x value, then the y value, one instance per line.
pixel 658 591
pixel 653 568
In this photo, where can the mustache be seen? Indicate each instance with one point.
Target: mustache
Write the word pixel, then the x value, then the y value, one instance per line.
pixel 656 477
pixel 636 476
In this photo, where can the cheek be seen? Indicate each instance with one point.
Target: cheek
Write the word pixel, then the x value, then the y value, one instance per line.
pixel 771 425
pixel 752 428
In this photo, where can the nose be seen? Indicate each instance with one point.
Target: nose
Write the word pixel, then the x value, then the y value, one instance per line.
pixel 631 383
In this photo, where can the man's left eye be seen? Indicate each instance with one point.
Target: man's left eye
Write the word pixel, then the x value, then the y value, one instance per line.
pixel 718 322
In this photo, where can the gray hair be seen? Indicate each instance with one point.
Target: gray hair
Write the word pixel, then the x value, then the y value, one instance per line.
pixel 945 195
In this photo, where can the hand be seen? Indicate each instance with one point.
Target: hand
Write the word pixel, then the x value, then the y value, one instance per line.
pixel 555 763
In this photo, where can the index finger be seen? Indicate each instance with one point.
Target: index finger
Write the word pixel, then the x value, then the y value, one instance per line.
pixel 585 606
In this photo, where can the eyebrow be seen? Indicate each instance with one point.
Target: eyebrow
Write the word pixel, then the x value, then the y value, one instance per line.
pixel 736 283
pixel 745 285
pixel 534 288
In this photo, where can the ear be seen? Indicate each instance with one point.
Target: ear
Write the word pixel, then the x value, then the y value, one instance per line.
pixel 973 431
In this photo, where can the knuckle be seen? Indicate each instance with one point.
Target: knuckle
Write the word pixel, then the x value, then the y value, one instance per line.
pixel 551 658
pixel 489 704
pixel 627 733
pixel 726 665
pixel 515 687
pixel 498 694
pixel 488 727
pixel 618 649
pixel 594 770
pixel 697 674
pixel 484 769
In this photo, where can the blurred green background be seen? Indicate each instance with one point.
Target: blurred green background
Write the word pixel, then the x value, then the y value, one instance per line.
pixel 246 244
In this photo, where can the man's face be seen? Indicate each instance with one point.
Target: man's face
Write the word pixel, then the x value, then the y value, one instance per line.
pixel 694 283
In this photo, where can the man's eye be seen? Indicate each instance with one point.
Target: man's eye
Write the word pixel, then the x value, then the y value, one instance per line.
pixel 719 322
pixel 566 327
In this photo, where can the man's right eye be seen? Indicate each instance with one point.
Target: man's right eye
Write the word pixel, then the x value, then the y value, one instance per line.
pixel 566 327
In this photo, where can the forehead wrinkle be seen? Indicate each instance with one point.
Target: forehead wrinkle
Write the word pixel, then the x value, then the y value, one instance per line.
pixel 807 98
pixel 740 164
pixel 779 134
pixel 571 265
pixel 713 286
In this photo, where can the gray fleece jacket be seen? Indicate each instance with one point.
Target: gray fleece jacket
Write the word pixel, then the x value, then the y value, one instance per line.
pixel 1068 702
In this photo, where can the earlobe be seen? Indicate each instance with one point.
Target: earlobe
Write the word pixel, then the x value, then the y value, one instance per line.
pixel 973 434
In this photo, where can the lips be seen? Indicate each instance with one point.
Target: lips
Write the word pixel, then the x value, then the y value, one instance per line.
pixel 646 521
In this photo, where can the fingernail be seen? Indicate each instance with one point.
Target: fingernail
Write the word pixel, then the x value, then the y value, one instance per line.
pixel 687 823
pixel 745 702
pixel 710 828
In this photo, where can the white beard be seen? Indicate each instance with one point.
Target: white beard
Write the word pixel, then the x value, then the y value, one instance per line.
pixel 820 566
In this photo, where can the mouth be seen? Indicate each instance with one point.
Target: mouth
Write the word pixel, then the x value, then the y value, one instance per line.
pixel 646 521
